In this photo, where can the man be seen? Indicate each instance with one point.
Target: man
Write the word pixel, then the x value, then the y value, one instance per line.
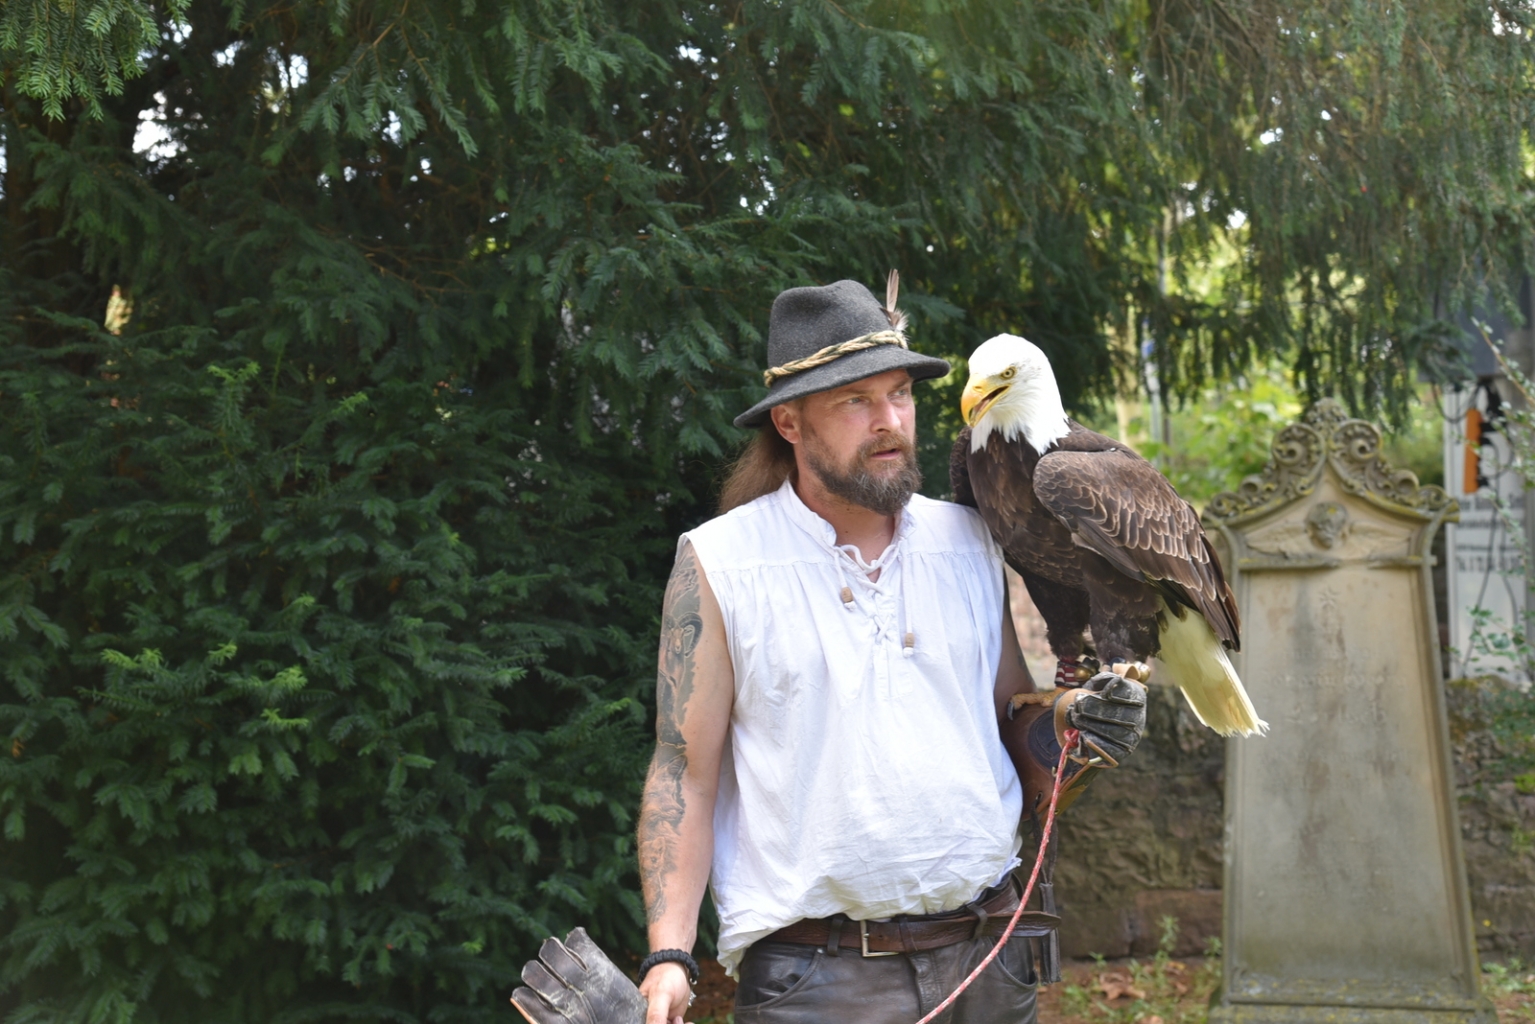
pixel 835 662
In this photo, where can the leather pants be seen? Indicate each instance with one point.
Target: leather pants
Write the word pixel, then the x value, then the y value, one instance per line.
pixel 787 983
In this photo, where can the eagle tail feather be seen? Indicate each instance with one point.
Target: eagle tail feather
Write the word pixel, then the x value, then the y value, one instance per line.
pixel 1197 662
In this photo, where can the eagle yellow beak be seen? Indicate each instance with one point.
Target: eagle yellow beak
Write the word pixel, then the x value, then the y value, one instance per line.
pixel 979 396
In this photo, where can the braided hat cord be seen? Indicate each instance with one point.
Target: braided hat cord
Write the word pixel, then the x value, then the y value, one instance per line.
pixel 831 353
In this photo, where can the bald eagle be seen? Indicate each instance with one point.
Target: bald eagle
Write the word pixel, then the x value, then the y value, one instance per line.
pixel 1099 536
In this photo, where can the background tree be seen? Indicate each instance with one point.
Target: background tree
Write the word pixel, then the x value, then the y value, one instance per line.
pixel 329 573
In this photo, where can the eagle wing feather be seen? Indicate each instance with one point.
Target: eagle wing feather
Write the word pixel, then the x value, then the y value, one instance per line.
pixel 1120 506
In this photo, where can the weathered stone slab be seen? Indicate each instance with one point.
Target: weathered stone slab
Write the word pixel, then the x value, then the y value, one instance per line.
pixel 1345 888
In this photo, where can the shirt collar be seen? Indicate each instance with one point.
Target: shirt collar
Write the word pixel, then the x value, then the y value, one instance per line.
pixel 821 530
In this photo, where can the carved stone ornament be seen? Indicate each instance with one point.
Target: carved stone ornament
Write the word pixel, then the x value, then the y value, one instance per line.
pixel 1326 522
pixel 1327 434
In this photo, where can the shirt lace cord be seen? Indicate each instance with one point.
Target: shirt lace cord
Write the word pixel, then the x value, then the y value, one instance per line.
pixel 1023 901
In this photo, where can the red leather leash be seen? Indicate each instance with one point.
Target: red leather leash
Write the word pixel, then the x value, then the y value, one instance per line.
pixel 1028 890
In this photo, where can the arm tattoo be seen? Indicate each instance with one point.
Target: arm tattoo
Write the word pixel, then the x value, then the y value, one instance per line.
pixel 661 826
pixel 662 809
pixel 681 627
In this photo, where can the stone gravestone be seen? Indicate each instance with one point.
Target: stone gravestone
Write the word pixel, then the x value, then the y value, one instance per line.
pixel 1345 890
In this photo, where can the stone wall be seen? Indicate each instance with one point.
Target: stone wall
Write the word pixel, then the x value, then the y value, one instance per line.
pixel 1497 826
pixel 1145 841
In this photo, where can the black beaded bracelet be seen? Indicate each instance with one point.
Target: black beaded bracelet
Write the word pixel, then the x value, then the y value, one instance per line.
pixel 671 956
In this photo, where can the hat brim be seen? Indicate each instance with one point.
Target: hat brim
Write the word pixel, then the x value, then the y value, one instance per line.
pixel 849 368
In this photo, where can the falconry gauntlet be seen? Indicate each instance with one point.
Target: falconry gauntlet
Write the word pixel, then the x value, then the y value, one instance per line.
pixel 1111 716
pixel 573 982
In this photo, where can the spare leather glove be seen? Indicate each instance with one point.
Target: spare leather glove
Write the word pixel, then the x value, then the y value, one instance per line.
pixel 1111 716
pixel 573 982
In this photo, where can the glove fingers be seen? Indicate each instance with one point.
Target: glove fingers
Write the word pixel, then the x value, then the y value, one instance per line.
pixel 1107 686
pixel 535 1008
pixel 561 962
pixel 584 949
pixel 609 991
pixel 1100 681
pixel 1124 691
pixel 1088 711
pixel 549 987
pixel 1117 735
pixel 1085 712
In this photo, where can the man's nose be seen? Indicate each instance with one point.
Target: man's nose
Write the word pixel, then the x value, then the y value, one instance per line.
pixel 886 415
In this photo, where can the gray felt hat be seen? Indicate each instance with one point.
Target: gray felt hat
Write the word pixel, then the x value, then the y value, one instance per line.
pixel 822 338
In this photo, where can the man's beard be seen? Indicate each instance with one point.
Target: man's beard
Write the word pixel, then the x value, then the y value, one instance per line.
pixel 885 493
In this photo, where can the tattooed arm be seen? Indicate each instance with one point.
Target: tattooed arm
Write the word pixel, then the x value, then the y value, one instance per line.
pixel 695 688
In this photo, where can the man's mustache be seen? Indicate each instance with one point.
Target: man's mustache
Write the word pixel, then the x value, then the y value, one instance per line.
pixel 894 442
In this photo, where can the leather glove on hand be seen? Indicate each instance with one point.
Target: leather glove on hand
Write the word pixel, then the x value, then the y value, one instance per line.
pixel 573 982
pixel 1111 716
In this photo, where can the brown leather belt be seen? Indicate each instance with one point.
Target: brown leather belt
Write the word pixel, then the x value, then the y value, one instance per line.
pixel 913 933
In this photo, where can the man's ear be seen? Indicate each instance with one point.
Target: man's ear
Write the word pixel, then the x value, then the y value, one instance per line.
pixel 787 419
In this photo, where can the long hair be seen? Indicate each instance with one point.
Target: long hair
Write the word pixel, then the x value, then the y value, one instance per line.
pixel 765 463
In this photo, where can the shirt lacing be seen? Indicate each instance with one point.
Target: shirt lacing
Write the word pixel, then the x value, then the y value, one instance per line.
pixel 843 554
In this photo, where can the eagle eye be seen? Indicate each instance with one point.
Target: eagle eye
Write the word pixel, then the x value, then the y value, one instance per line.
pixel 1009 373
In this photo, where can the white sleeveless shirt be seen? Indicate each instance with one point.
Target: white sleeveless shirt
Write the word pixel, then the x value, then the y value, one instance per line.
pixel 860 776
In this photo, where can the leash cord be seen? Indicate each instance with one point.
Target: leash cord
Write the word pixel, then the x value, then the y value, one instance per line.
pixel 1028 890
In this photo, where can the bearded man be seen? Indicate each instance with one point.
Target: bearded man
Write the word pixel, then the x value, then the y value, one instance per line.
pixel 835 663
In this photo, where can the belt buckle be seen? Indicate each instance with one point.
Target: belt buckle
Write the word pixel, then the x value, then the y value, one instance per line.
pixel 863 939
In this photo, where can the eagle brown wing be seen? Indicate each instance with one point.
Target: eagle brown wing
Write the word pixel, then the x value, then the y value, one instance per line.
pixel 1126 511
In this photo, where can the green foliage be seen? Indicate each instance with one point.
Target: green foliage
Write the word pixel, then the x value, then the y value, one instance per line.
pixel 1512 978
pixel 60 52
pixel 284 687
pixel 328 587
pixel 1217 438
pixel 1337 129
pixel 1224 433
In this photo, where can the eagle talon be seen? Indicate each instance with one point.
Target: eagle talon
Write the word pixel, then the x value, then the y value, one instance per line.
pixel 1018 701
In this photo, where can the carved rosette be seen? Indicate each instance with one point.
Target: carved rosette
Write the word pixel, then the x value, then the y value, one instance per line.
pixel 1325 435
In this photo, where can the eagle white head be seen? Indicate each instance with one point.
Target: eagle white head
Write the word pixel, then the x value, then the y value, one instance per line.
pixel 1012 390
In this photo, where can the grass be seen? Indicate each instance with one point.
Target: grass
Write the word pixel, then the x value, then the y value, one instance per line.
pixel 1511 987
pixel 1512 978
pixel 1161 990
